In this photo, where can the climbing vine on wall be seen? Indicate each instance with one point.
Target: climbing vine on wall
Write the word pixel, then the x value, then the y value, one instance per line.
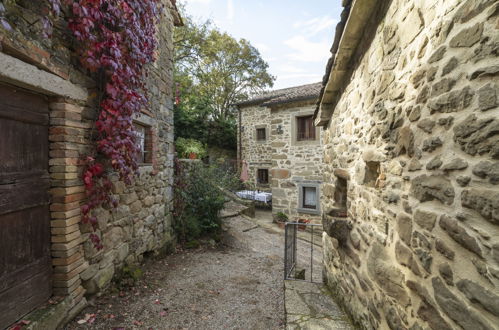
pixel 115 40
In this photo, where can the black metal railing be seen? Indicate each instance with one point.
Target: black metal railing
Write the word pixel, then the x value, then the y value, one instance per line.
pixel 300 243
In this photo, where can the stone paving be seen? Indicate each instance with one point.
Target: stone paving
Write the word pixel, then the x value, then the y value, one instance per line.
pixel 310 306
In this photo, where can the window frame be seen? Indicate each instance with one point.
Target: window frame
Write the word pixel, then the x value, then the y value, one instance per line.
pixel 261 129
pixel 308 121
pixel 262 170
pixel 145 156
pixel 302 208
pixel 294 130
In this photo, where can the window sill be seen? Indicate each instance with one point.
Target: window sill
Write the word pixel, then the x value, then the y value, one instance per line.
pixel 308 211
pixel 306 142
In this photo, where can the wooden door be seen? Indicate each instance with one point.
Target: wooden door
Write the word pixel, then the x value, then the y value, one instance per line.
pixel 25 263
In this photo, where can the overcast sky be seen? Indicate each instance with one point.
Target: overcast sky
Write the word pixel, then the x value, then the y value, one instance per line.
pixel 293 36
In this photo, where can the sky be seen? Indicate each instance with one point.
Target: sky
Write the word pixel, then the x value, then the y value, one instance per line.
pixel 293 36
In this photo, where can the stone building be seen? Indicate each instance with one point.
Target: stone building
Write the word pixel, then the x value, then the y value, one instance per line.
pixel 277 140
pixel 410 113
pixel 48 106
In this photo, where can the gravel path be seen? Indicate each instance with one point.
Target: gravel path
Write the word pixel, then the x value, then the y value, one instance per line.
pixel 237 285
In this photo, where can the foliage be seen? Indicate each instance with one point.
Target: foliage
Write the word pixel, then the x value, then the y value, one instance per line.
pixel 213 71
pixel 195 124
pixel 128 276
pixel 184 147
pixel 116 40
pixel 281 217
pixel 198 199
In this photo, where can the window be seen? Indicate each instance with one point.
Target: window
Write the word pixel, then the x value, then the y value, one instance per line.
pixel 144 143
pixel 261 134
pixel 262 176
pixel 309 201
pixel 309 198
pixel 305 129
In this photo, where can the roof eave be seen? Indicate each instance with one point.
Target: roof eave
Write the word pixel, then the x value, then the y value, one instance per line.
pixel 355 22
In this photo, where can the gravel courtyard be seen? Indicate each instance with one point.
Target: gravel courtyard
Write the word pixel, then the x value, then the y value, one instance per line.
pixel 236 285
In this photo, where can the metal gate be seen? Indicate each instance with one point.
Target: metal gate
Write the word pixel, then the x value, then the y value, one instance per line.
pixel 302 251
pixel 25 263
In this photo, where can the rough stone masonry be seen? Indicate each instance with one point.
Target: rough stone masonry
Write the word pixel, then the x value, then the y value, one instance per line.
pixel 411 142
pixel 142 221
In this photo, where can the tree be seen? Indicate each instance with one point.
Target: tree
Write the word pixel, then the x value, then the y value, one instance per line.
pixel 213 71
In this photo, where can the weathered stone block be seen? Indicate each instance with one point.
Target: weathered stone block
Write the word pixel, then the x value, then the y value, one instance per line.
pixel 437 54
pixel 478 294
pixel 426 125
pixel 450 66
pixel 403 254
pixel 488 170
pixel 425 219
pixel 467 37
pixel 100 280
pixel 446 272
pixel 452 101
pixel 442 86
pixel 477 136
pixel 427 188
pixel 455 165
pixel 404 228
pixel 487 97
pixel 457 232
pixel 485 202
pixel 405 143
pixel 280 173
pixel 387 276
pixel 456 309
pixel 432 144
pixel 434 163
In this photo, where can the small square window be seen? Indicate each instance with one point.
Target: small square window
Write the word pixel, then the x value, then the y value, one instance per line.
pixel 263 176
pixel 144 143
pixel 309 201
pixel 305 129
pixel 309 198
pixel 261 134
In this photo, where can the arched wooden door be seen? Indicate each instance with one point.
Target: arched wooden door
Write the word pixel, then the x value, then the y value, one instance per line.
pixel 25 262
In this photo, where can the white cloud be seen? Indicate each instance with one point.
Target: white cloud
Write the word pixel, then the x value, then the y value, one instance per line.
pixel 315 25
pixel 262 48
pixel 284 81
pixel 308 51
pixel 290 68
pixel 230 11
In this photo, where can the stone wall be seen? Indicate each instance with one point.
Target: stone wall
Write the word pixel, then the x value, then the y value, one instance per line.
pixel 415 137
pixel 257 154
pixel 290 162
pixel 142 221
pixel 293 162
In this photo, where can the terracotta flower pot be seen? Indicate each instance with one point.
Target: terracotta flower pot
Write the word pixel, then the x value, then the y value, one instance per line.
pixel 193 155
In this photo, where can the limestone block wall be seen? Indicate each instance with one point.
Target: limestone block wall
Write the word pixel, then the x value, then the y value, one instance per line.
pixel 142 221
pixel 293 162
pixel 257 154
pixel 415 137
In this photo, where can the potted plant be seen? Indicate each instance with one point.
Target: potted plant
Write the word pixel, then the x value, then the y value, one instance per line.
pixel 303 227
pixel 281 218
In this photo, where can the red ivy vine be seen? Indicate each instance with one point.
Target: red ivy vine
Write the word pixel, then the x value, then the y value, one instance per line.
pixel 116 39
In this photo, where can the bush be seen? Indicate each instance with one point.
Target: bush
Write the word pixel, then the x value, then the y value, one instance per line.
pixel 198 201
pixel 185 147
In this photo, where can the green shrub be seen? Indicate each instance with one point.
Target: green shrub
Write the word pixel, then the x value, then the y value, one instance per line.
pixel 198 201
pixel 185 147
